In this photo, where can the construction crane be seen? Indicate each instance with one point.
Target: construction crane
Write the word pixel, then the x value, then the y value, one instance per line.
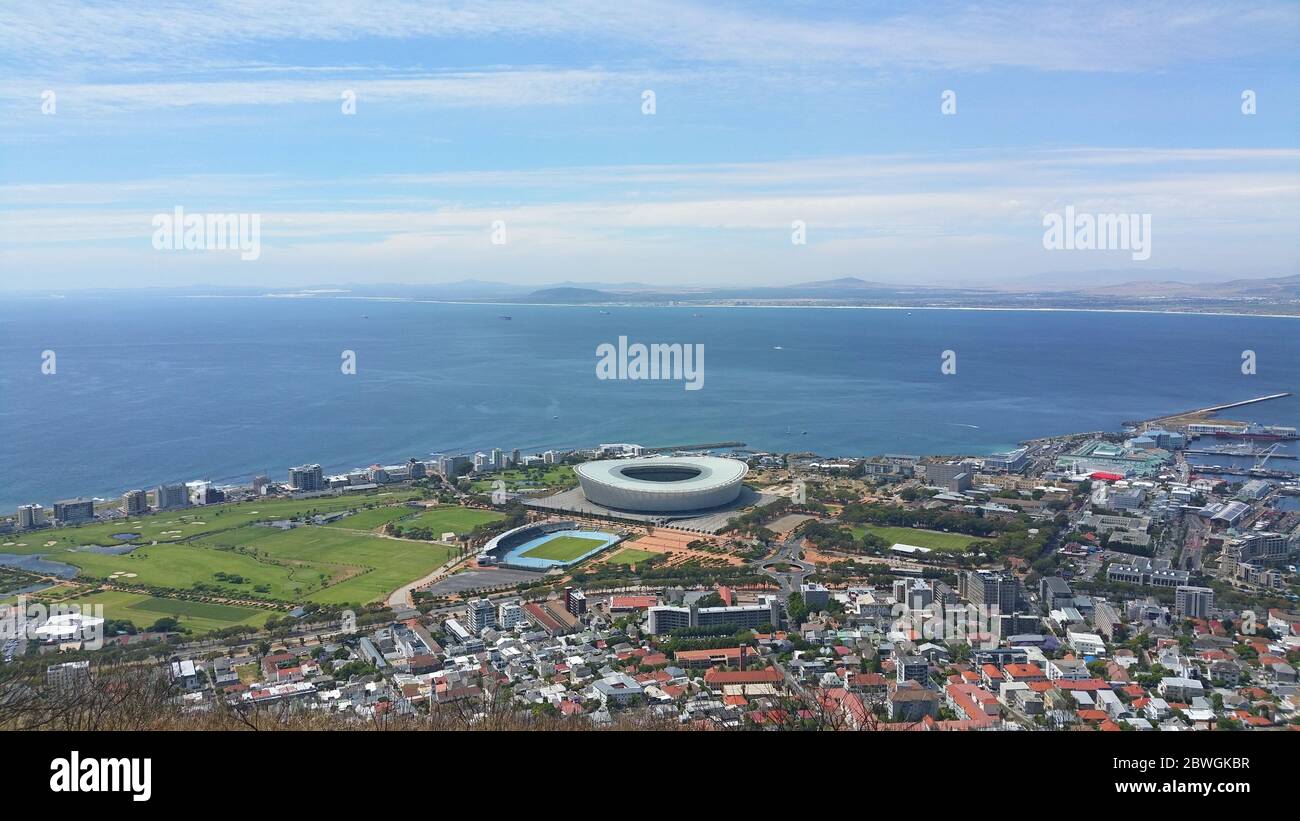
pixel 1261 456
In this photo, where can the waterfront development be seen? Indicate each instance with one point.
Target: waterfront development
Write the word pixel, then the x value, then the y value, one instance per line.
pixel 1109 580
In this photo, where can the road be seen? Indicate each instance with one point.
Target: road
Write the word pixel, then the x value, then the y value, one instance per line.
pixel 786 553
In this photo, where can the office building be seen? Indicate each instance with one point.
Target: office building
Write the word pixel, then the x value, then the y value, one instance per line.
pixel 1054 593
pixel 816 596
pixel 988 589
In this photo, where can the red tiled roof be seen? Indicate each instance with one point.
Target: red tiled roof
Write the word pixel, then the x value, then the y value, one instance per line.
pixel 719 677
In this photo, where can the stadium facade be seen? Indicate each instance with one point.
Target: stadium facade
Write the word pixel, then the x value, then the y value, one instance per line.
pixel 662 484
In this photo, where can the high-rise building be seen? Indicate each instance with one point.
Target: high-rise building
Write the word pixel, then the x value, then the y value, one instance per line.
pixel 1193 602
pixel 480 461
pixel 516 458
pixel 30 516
pixel 913 668
pixel 172 497
pixel 498 458
pixel 68 675
pixel 481 615
pixel 135 502
pixel 985 588
pixel 665 618
pixel 575 601
pixel 452 466
pixel 260 483
pixel 954 476
pixel 73 511
pixel 509 614
pixel 307 478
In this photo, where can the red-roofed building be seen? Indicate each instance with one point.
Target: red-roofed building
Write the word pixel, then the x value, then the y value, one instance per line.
pixel 972 702
pixel 1024 673
pixel 718 678
pixel 628 604
pixel 720 657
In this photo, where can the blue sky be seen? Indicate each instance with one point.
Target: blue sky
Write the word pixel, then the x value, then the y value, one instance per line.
pixel 826 113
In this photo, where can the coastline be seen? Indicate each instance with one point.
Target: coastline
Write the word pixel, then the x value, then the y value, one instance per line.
pixel 783 305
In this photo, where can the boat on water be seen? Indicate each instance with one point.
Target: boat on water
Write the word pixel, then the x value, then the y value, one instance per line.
pixel 504 316
pixel 1257 431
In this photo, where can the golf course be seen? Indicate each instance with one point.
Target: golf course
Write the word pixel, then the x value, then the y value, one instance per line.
pixel 254 557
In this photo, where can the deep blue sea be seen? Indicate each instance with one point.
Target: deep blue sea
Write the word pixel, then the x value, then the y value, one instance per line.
pixel 159 389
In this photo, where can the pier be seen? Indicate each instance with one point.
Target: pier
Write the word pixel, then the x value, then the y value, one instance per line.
pixel 706 446
pixel 1204 412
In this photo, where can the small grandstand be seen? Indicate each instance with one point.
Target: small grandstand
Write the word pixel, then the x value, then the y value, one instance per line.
pixel 542 546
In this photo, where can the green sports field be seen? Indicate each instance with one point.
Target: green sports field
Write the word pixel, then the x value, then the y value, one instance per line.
pixel 933 539
pixel 630 555
pixel 458 520
pixel 200 617
pixel 373 518
pixel 564 548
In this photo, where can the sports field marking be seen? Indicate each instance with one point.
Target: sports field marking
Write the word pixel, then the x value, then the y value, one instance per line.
pixel 564 548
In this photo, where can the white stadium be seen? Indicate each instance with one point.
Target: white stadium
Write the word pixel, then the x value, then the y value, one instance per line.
pixel 662 484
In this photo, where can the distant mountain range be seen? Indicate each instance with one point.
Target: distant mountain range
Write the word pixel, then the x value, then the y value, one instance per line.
pixel 1276 292
pixel 1174 290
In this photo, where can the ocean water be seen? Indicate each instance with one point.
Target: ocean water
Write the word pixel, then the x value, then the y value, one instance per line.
pixel 152 389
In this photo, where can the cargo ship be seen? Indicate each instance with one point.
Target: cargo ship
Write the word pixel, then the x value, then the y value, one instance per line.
pixel 1250 431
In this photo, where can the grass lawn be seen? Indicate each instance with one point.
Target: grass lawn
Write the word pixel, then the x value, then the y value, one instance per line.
pixel 200 617
pixel 175 525
pixel 373 518
pixel 367 567
pixel 552 476
pixel 933 539
pixel 630 555
pixel 181 566
pixel 452 519
pixel 564 548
